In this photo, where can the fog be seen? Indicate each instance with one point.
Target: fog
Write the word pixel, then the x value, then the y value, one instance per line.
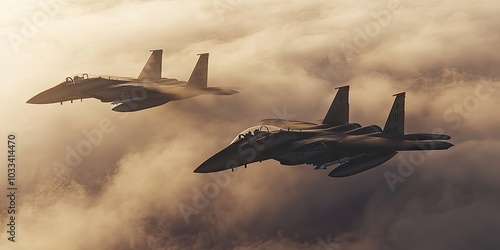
pixel 135 187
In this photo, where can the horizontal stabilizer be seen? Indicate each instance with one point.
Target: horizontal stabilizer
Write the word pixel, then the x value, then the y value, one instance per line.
pixel 218 91
pixel 361 164
pixel 426 145
pixel 424 136
pixel 417 137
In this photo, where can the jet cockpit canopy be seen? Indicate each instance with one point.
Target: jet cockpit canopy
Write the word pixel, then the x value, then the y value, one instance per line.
pixel 256 132
pixel 77 78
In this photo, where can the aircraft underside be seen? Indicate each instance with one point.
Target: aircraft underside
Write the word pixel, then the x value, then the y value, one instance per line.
pixel 344 164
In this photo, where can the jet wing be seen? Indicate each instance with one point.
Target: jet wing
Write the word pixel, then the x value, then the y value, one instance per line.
pixel 124 92
pixel 131 96
pixel 136 105
pixel 282 123
pixel 361 163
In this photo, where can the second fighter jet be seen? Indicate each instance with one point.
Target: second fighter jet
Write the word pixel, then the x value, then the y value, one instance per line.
pixel 133 94
pixel 348 147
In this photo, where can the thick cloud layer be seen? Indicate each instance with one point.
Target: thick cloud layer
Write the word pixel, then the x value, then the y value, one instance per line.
pixel 133 188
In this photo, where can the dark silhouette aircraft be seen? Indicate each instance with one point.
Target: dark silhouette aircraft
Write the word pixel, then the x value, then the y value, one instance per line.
pixel 336 142
pixel 133 94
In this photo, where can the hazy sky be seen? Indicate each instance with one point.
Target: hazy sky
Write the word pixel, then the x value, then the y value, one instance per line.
pixel 135 189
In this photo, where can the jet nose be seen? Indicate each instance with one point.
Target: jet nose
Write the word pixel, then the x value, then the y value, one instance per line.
pixel 37 99
pixel 42 98
pixel 216 163
pixel 227 158
pixel 206 168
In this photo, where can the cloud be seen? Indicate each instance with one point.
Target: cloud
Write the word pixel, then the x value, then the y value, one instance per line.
pixel 135 187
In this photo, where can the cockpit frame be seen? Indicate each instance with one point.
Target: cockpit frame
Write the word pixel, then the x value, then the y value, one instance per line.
pixel 76 78
pixel 257 130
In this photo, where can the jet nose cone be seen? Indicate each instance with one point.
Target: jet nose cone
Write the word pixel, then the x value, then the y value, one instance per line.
pixel 212 165
pixel 202 169
pixel 227 158
pixel 47 96
pixel 37 99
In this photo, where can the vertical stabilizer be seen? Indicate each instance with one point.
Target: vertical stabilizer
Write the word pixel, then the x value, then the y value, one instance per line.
pixel 199 76
pixel 152 69
pixel 395 124
pixel 339 110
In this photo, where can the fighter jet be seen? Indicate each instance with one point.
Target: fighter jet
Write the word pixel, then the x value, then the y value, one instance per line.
pixel 133 94
pixel 349 148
